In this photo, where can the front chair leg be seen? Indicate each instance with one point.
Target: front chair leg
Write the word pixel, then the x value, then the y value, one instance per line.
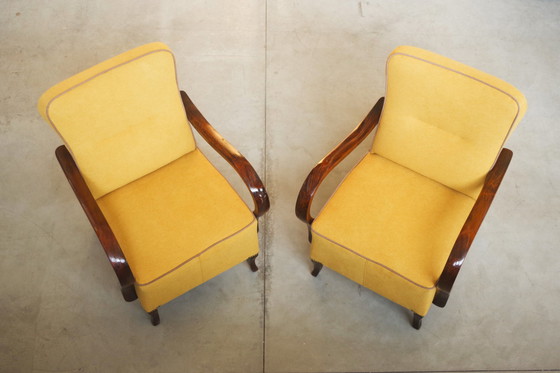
pixel 316 268
pixel 252 264
pixel 416 321
pixel 154 317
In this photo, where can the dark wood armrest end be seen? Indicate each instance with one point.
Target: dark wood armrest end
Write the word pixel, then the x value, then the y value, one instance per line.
pixel 98 222
pixel 470 228
pixel 322 169
pixel 230 154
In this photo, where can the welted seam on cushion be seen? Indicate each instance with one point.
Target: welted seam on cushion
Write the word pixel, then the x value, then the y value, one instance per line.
pixel 372 261
pixel 98 74
pixel 47 107
pixel 364 272
pixel 362 256
pixel 460 73
pixel 197 255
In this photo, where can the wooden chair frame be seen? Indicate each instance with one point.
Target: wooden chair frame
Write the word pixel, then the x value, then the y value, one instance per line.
pixel 101 226
pixel 470 227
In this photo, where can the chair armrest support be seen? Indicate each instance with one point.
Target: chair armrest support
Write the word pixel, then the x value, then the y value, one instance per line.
pixel 98 222
pixel 470 228
pixel 230 154
pixel 322 169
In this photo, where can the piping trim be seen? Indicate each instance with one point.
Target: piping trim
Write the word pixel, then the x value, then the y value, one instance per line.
pixel 47 107
pixel 372 261
pixel 371 149
pixel 197 255
pixel 460 73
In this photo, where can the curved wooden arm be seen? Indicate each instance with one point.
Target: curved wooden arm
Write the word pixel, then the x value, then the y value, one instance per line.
pixel 230 154
pixel 470 228
pixel 322 169
pixel 98 222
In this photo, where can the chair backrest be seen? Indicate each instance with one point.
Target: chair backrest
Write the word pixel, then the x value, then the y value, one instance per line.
pixel 445 120
pixel 122 118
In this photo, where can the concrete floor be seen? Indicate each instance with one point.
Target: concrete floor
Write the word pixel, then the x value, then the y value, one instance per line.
pixel 284 81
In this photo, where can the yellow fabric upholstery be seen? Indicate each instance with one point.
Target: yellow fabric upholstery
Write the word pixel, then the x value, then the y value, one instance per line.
pixel 391 230
pixel 178 221
pixel 445 120
pixel 392 222
pixel 178 227
pixel 122 118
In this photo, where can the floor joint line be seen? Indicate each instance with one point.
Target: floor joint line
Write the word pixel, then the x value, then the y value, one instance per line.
pixel 265 176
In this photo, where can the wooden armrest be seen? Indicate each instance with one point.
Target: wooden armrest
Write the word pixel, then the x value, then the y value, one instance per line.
pixel 230 154
pixel 98 222
pixel 322 169
pixel 470 228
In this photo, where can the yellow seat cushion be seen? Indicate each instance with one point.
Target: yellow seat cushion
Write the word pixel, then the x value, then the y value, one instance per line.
pixel 445 120
pixel 122 118
pixel 391 230
pixel 178 227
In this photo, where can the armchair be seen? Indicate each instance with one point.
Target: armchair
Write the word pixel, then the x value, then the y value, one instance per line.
pixel 402 221
pixel 166 218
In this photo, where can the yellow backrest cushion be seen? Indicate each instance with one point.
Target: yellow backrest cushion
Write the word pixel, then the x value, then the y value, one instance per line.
pixel 445 120
pixel 122 118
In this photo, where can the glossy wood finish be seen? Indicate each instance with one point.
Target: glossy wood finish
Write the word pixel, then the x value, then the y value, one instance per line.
pixel 322 169
pixel 98 222
pixel 230 154
pixel 317 267
pixel 252 264
pixel 470 228
pixel 154 317
pixel 416 321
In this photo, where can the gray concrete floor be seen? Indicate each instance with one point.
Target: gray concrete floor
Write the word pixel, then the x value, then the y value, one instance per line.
pixel 284 81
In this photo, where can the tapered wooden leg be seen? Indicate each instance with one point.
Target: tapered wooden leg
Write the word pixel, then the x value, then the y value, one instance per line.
pixel 416 321
pixel 154 317
pixel 316 268
pixel 252 264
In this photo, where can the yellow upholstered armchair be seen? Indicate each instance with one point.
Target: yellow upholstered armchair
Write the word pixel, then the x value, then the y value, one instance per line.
pixel 402 221
pixel 166 218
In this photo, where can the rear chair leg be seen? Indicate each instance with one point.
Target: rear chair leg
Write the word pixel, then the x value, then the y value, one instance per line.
pixel 251 261
pixel 416 321
pixel 316 268
pixel 154 317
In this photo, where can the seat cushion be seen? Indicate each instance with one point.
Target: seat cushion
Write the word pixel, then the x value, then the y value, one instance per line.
pixel 391 230
pixel 179 226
